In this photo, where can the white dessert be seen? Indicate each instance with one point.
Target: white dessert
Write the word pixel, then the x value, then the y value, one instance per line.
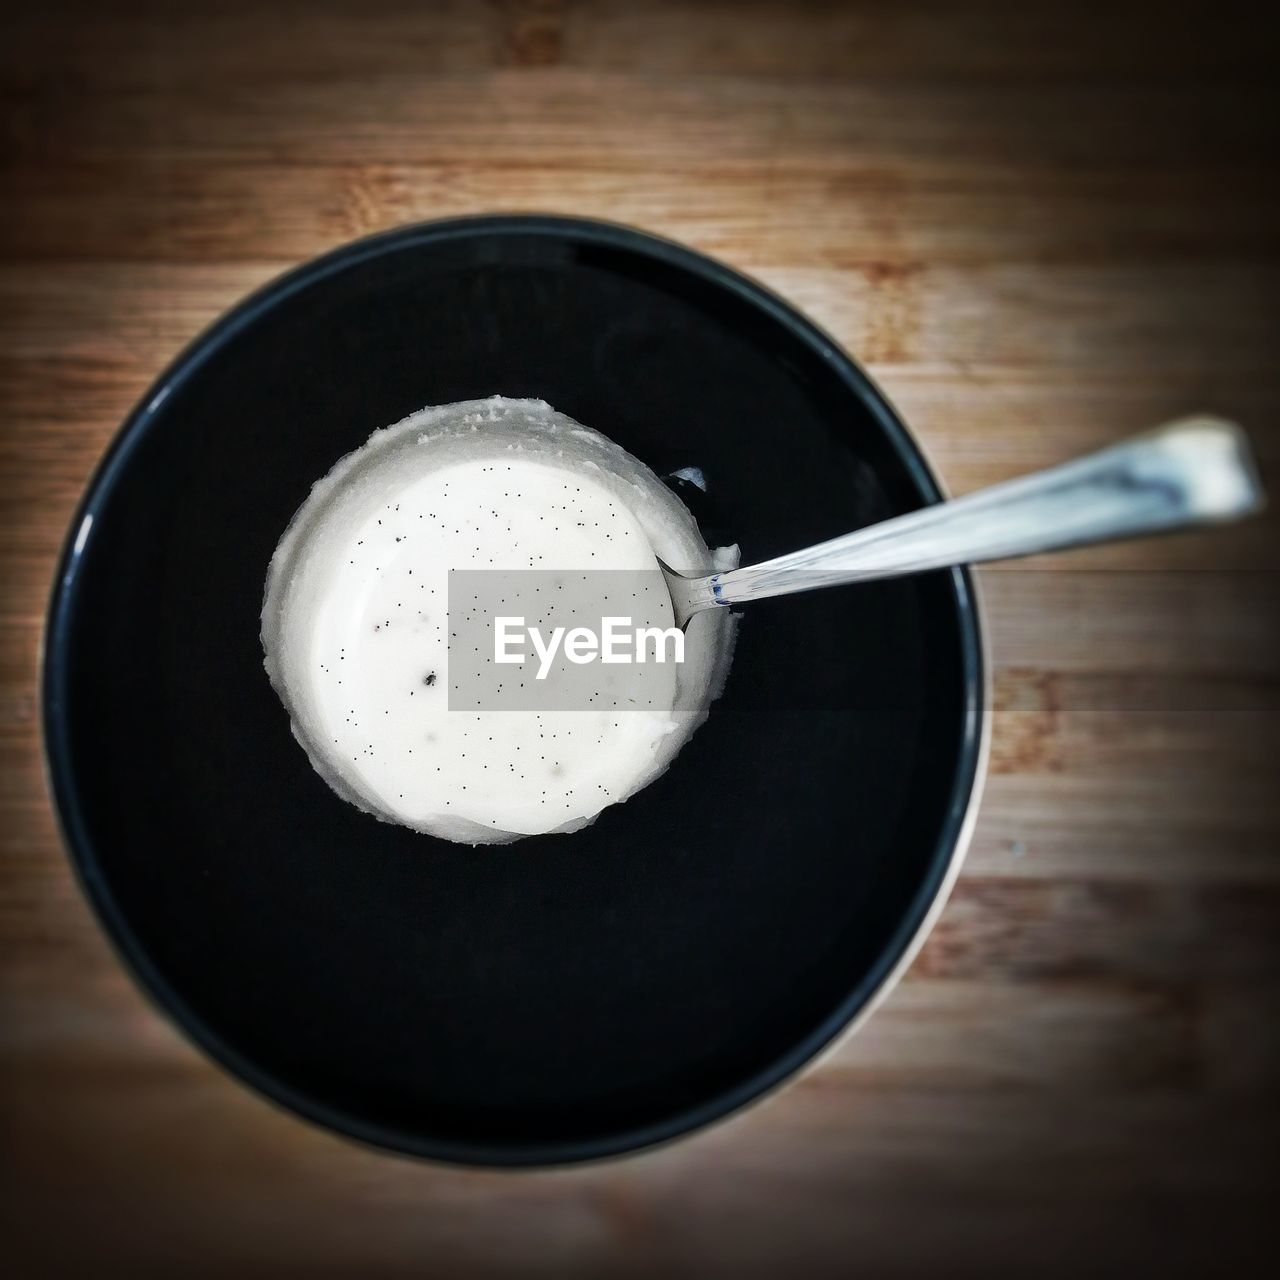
pixel 355 630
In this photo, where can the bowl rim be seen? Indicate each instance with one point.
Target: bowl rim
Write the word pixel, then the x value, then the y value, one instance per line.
pixel 859 1002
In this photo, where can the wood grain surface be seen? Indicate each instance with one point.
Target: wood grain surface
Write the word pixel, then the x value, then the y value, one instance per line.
pixel 1041 227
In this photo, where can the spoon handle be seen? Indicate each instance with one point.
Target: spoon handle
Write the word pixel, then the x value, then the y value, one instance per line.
pixel 1194 471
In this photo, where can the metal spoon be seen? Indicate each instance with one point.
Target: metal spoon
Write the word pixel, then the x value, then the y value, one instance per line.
pixel 1195 471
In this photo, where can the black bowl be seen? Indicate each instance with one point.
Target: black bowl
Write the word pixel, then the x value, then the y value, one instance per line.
pixel 563 997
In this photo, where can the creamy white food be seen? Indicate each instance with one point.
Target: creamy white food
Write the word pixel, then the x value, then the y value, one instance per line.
pixel 355 627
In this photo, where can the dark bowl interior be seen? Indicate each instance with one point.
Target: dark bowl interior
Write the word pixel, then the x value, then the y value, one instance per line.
pixel 563 997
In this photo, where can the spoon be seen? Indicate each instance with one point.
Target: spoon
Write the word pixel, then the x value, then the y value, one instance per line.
pixel 1194 471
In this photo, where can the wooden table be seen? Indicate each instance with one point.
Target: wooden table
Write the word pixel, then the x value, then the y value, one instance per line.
pixel 1041 228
